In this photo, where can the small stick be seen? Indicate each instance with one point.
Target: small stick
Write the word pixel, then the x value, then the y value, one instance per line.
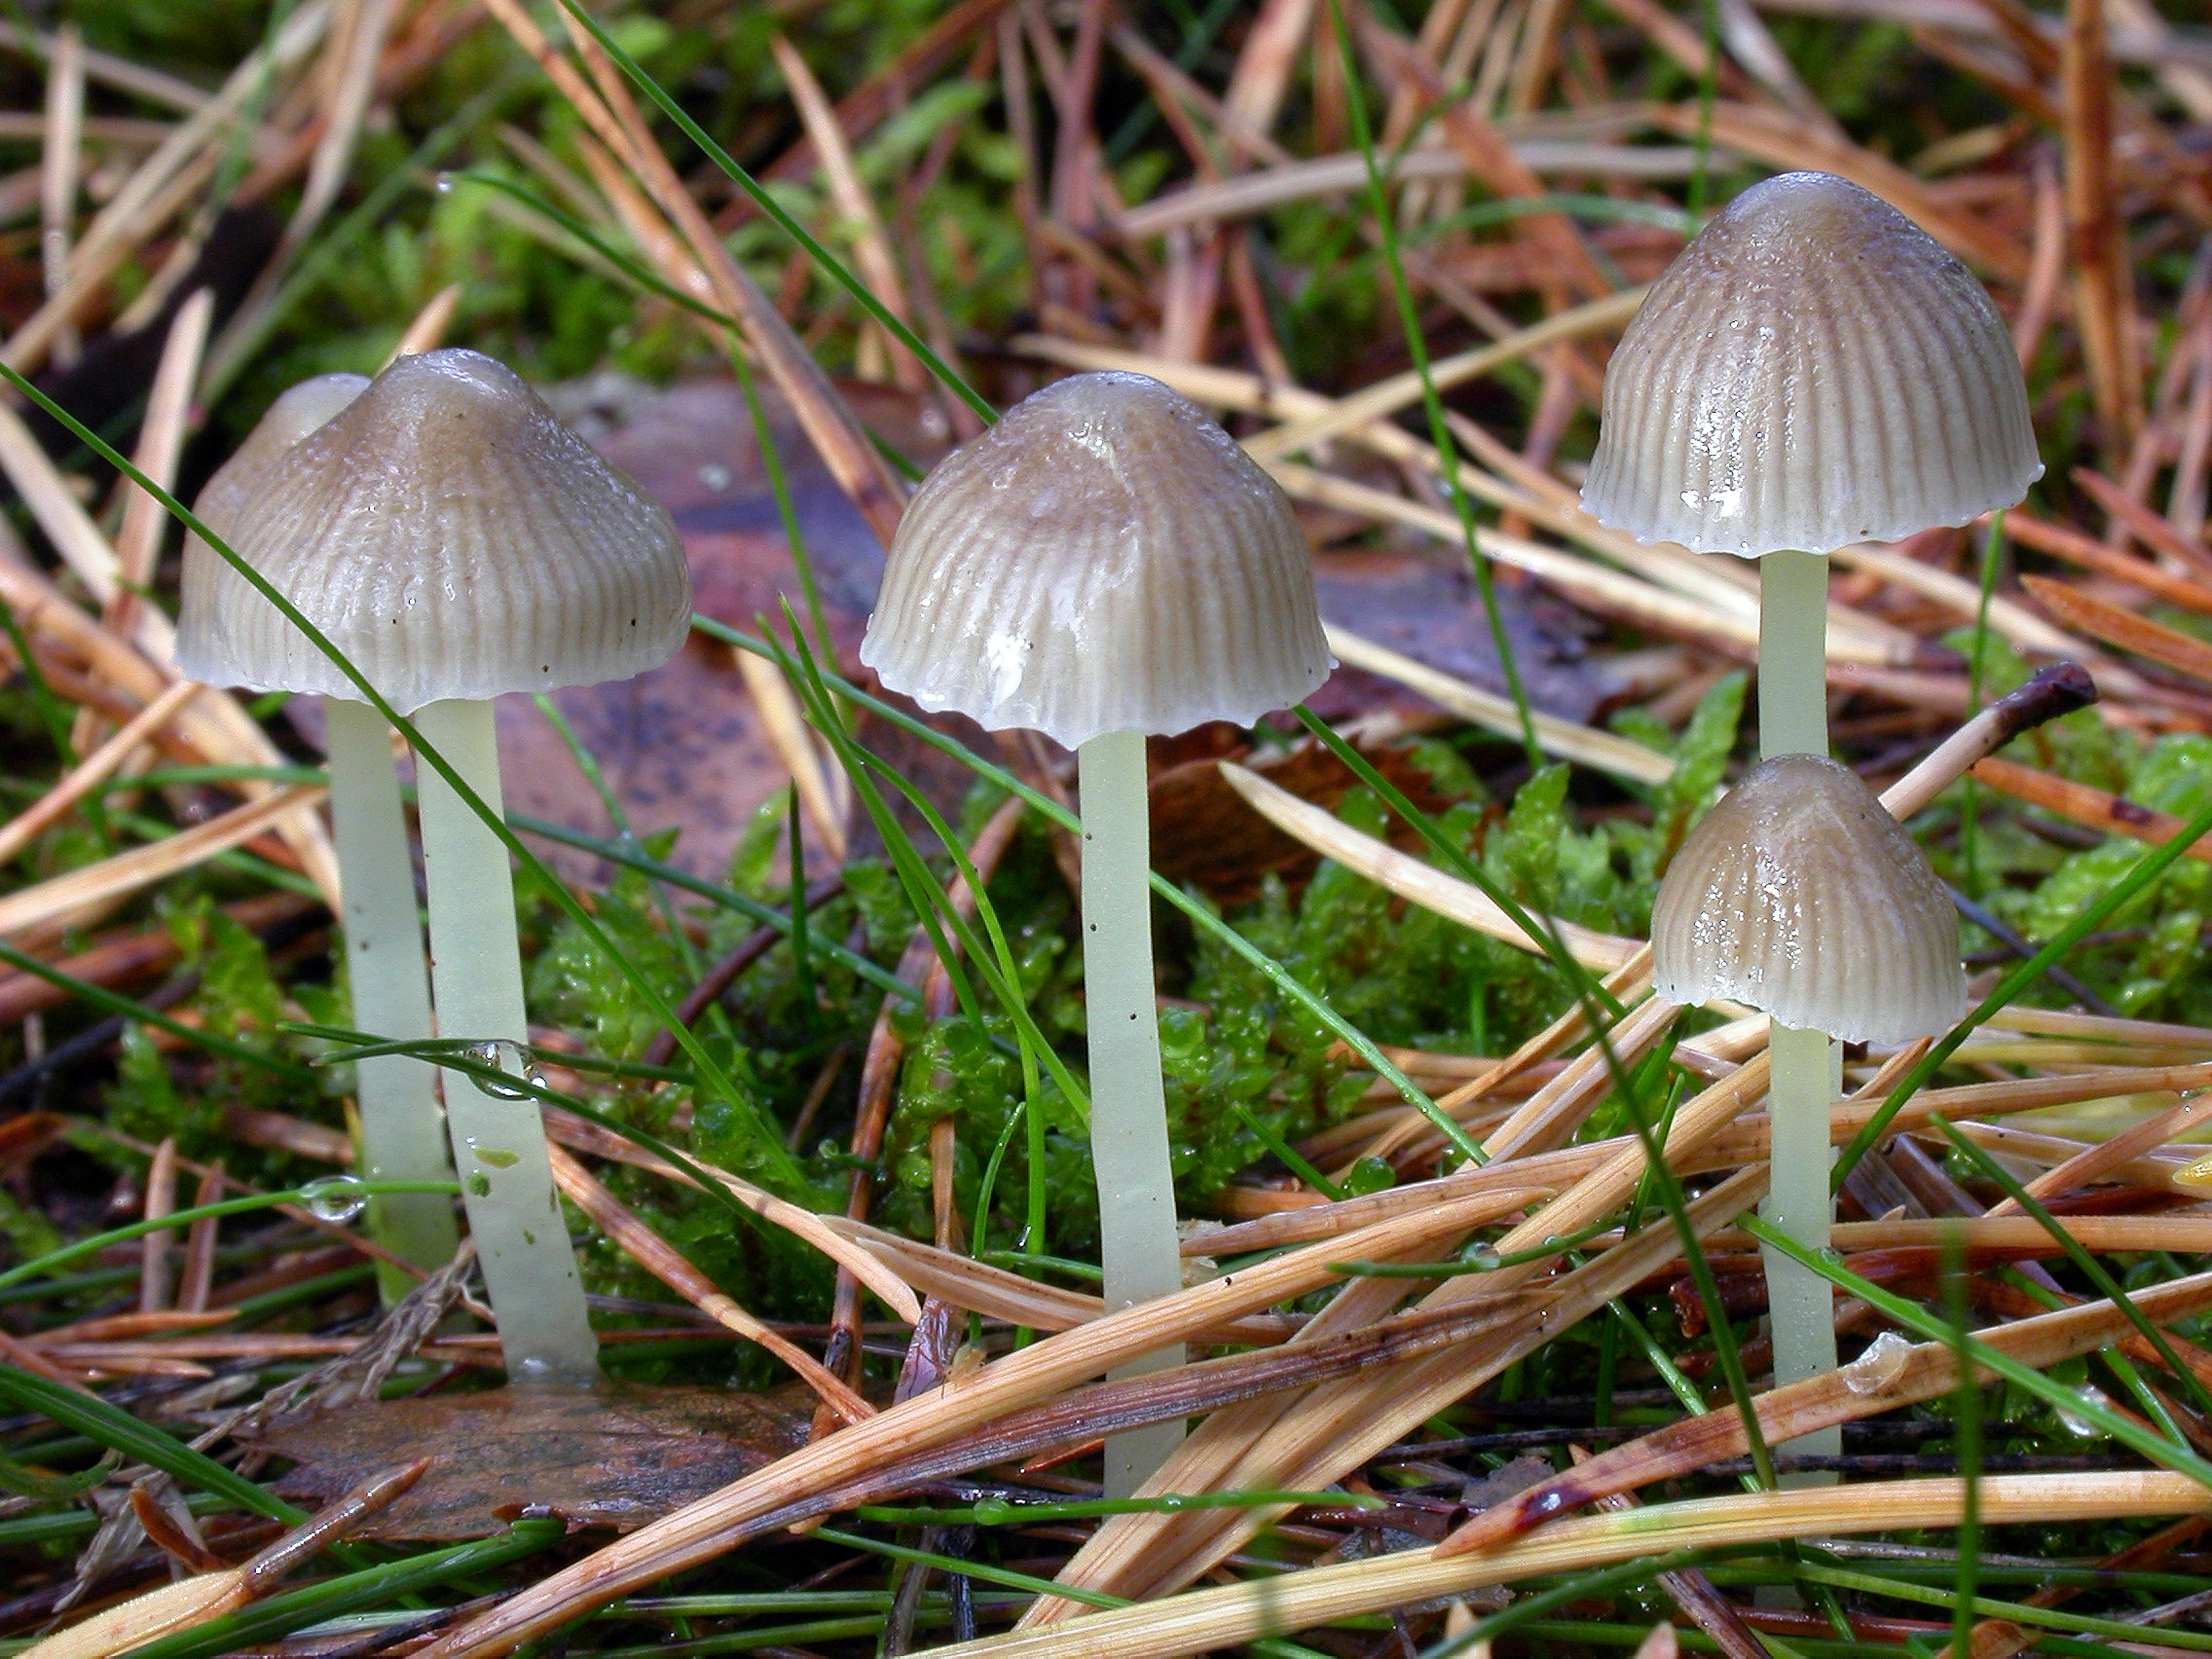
pixel 2059 690
pixel 198 1278
pixel 154 1247
pixel 59 164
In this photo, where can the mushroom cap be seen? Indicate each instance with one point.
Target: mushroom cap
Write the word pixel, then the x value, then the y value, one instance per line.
pixel 452 538
pixel 1802 895
pixel 1104 558
pixel 1813 370
pixel 298 411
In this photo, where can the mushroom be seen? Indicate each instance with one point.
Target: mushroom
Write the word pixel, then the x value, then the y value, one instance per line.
pixel 455 542
pixel 1800 895
pixel 402 1137
pixel 1103 562
pixel 1813 370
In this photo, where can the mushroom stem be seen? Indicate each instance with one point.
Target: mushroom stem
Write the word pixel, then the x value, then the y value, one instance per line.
pixel 499 1136
pixel 1138 1248
pixel 400 1133
pixel 1793 719
pixel 1801 1301
pixel 1794 633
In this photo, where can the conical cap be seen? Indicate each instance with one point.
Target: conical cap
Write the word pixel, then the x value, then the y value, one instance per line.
pixel 1802 895
pixel 1103 559
pixel 1813 370
pixel 297 412
pixel 454 539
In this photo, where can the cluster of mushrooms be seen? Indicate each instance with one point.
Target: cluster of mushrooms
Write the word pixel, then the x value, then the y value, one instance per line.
pixel 449 535
pixel 1814 370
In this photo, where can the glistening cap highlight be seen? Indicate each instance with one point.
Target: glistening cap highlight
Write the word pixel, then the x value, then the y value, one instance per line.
pixel 1103 559
pixel 1813 370
pixel 1802 895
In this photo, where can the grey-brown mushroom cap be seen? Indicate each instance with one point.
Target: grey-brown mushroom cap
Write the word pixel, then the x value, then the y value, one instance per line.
pixel 1813 370
pixel 1103 559
pixel 454 539
pixel 1802 895
pixel 297 411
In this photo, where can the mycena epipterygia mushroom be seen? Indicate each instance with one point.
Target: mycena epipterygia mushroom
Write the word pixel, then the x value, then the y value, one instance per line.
pixel 456 541
pixel 1812 371
pixel 1105 561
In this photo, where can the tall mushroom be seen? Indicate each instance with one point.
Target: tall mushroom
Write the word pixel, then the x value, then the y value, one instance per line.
pixel 402 1134
pixel 455 542
pixel 1813 370
pixel 1106 562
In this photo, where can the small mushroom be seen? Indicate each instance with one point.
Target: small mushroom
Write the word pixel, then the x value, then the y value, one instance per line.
pixel 401 1132
pixel 456 541
pixel 1802 895
pixel 1813 370
pixel 1103 562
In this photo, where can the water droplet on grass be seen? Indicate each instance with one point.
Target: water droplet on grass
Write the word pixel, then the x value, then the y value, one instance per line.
pixel 1878 1366
pixel 334 1198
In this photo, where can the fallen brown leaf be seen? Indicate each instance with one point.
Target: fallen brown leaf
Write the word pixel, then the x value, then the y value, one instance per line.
pixel 617 1455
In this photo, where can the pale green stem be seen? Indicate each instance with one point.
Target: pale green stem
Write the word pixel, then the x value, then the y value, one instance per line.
pixel 403 1136
pixel 1793 635
pixel 1801 1301
pixel 1793 719
pixel 498 1140
pixel 1138 1248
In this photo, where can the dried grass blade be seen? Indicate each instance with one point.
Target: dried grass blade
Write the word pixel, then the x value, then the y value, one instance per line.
pixel 89 772
pixel 786 725
pixel 2108 1156
pixel 1411 878
pixel 2103 277
pixel 141 867
pixel 162 184
pixel 704 1529
pixel 1247 1611
pixel 564 1129
pixel 1387 397
pixel 1781 141
pixel 2122 628
pixel 428 325
pixel 871 247
pixel 1921 1373
pixel 659 1258
pixel 2080 549
pixel 1568 739
pixel 1579 579
pixel 1336 1427
pixel 2154 531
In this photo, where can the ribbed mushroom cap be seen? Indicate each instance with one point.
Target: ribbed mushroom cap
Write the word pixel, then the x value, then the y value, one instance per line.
pixel 1104 558
pixel 454 539
pixel 1813 370
pixel 297 412
pixel 1802 895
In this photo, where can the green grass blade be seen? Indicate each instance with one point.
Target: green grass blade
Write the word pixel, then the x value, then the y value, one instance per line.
pixel 114 1002
pixel 2167 1454
pixel 830 264
pixel 1432 402
pixel 90 1415
pixel 296 1609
